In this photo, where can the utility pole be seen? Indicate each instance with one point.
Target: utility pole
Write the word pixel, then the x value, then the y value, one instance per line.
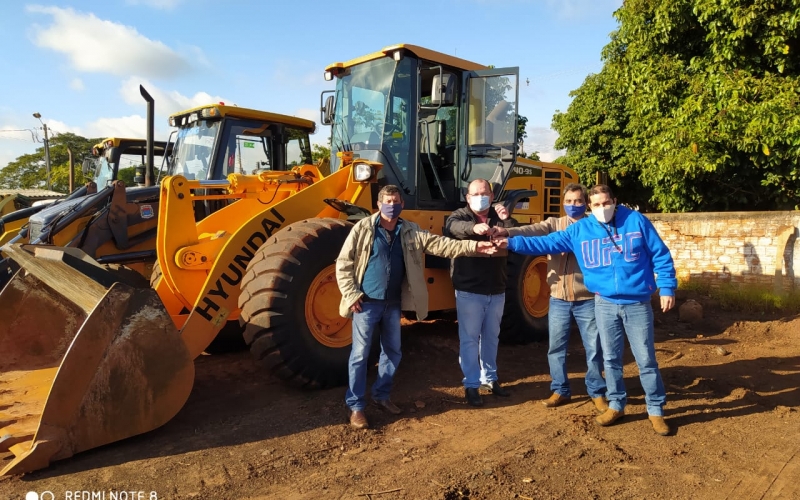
pixel 71 171
pixel 46 148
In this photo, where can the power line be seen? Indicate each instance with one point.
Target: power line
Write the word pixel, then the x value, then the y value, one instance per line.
pixel 14 139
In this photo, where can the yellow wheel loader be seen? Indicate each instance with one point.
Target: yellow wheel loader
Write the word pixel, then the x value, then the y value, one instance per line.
pixel 10 223
pixel 58 223
pixel 112 360
pixel 116 224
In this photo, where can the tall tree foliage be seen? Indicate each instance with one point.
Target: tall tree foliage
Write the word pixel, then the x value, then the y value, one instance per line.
pixel 696 107
pixel 29 171
pixel 319 152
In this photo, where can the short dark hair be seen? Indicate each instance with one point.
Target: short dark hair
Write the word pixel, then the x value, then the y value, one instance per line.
pixel 572 186
pixel 389 190
pixel 601 188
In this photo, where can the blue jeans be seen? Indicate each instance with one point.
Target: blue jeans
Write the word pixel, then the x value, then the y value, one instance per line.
pixel 373 314
pixel 478 332
pixel 560 319
pixel 616 321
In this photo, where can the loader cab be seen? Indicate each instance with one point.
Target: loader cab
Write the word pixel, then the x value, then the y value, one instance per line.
pixel 436 122
pixel 114 154
pixel 215 141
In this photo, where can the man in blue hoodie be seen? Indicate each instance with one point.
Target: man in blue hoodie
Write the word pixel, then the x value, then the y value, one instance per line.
pixel 618 251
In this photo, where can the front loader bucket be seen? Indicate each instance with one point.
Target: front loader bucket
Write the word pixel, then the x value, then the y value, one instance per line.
pixel 84 361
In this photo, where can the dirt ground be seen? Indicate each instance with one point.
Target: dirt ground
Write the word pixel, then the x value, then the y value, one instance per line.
pixel 733 386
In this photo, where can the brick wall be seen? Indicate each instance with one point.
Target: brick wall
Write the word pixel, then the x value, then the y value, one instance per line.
pixel 734 247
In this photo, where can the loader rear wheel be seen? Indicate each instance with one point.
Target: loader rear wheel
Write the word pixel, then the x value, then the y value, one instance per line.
pixel 290 304
pixel 527 300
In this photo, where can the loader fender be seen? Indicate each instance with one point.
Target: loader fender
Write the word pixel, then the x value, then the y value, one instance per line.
pixel 290 304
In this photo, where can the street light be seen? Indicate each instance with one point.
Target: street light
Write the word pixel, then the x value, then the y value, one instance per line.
pixel 46 148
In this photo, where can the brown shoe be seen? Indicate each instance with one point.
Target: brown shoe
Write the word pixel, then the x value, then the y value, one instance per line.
pixel 609 417
pixel 600 403
pixel 556 400
pixel 660 425
pixel 388 406
pixel 358 419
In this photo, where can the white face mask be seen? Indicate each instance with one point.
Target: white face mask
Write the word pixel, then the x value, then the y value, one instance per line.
pixel 478 203
pixel 604 214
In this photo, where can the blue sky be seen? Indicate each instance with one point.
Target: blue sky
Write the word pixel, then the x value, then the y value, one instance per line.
pixel 79 64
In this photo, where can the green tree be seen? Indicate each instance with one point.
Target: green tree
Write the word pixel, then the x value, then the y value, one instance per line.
pixel 522 122
pixel 696 107
pixel 127 175
pixel 319 152
pixel 29 170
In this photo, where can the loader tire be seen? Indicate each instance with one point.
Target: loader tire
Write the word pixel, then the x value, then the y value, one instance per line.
pixel 527 300
pixel 229 339
pixel 290 305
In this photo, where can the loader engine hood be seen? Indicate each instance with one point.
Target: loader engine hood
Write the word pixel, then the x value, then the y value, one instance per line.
pixel 46 216
pixel 40 222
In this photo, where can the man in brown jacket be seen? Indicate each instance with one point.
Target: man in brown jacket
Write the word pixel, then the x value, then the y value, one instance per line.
pixel 569 299
pixel 380 272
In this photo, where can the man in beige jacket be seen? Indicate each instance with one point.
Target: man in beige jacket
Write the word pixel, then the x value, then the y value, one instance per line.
pixel 380 272
pixel 569 299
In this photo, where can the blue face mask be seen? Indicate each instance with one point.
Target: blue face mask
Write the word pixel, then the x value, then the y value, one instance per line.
pixel 391 210
pixel 574 211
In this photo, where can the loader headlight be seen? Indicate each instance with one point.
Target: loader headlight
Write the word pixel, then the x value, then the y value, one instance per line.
pixel 362 172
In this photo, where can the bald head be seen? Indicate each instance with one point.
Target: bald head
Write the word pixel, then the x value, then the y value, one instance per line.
pixel 479 187
pixel 479 196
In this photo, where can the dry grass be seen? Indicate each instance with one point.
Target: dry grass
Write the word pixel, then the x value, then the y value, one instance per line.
pixel 749 298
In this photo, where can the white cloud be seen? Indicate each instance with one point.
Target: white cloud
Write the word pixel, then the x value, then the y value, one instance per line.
pixel 133 126
pixel 96 45
pixel 322 131
pixel 76 84
pixel 166 102
pixel 308 114
pixel 15 141
pixel 157 4
pixel 543 140
pixel 59 127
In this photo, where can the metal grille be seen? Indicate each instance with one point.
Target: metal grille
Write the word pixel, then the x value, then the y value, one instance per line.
pixel 553 184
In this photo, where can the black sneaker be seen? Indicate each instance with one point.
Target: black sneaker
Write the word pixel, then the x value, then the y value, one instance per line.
pixel 473 397
pixel 496 389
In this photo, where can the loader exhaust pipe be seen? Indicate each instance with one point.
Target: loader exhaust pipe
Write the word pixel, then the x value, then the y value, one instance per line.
pixel 149 175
